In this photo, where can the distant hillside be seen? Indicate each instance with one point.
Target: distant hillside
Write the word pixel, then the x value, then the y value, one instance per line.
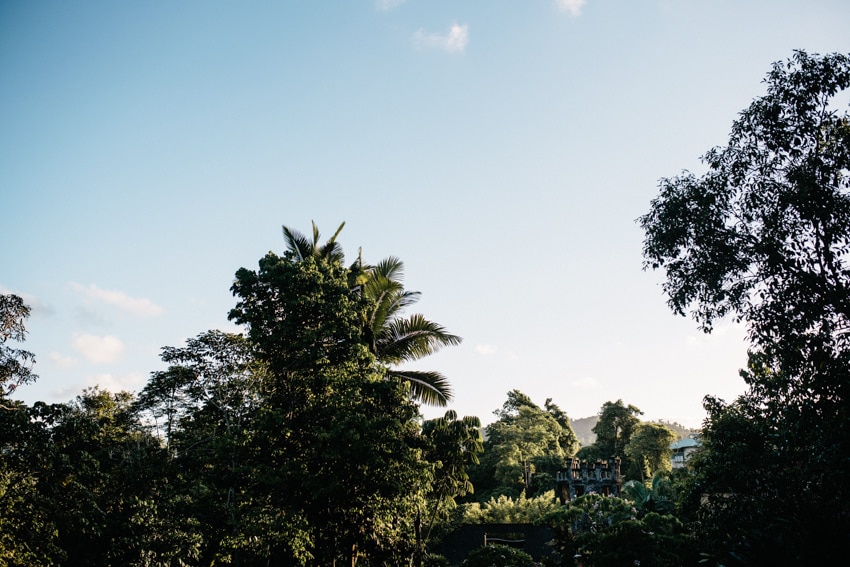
pixel 584 429
pixel 680 430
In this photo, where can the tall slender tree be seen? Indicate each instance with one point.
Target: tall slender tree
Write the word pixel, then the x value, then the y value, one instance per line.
pixel 649 449
pixel 452 447
pixel 335 446
pixel 208 397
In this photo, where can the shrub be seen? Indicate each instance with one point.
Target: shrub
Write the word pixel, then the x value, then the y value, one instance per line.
pixel 505 510
pixel 498 556
pixel 434 560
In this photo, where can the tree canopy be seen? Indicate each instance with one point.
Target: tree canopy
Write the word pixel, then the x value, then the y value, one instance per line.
pixel 335 443
pixel 299 442
pixel 763 237
pixel 649 449
pixel 391 337
pixel 524 448
pixel 15 364
pixel 764 234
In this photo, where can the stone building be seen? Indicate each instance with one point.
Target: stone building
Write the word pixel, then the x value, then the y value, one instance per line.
pixel 582 477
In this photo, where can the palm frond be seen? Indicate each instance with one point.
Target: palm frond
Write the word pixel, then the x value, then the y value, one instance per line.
pixel 391 268
pixel 428 387
pixel 389 299
pixel 297 243
pixel 384 288
pixel 395 340
pixel 331 250
pixel 302 247
pixel 411 339
pixel 471 421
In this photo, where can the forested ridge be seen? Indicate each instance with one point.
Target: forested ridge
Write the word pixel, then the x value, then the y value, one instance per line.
pixel 300 440
pixel 583 428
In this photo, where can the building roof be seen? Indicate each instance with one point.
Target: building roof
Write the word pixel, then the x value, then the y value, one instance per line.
pixel 689 441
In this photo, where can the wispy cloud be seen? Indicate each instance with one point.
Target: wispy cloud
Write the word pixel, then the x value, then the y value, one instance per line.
pixel 139 306
pixel 572 7
pixel 114 383
pixel 452 42
pixel 62 361
pixel 386 5
pixel 99 350
pixel 485 349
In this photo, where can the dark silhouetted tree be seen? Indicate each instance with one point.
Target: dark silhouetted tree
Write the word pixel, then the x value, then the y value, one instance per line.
pixel 763 237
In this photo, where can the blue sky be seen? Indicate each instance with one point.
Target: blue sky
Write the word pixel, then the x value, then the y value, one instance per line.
pixel 502 149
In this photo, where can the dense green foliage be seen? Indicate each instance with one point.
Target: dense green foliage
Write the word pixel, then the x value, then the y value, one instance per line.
pixel 642 447
pixel 763 236
pixel 453 447
pixel 352 435
pixel 613 431
pixel 523 449
pixel 659 495
pixel 500 555
pixel 296 444
pixel 505 510
pixel 301 442
pixel 87 486
pixel 649 449
pixel 392 338
pixel 609 531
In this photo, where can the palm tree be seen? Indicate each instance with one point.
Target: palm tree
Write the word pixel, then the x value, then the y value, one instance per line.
pixel 303 248
pixel 452 446
pixel 394 339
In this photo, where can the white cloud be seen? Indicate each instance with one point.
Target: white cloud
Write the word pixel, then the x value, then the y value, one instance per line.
pixel 114 384
pixel 586 383
pixel 99 350
pixel 486 350
pixel 453 42
pixel 572 7
pixel 140 306
pixel 386 5
pixel 62 361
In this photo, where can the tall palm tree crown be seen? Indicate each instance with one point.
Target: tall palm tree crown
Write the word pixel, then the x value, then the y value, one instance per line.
pixel 392 338
pixel 303 248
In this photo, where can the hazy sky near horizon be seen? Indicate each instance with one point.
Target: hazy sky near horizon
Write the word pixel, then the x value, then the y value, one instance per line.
pixel 502 149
